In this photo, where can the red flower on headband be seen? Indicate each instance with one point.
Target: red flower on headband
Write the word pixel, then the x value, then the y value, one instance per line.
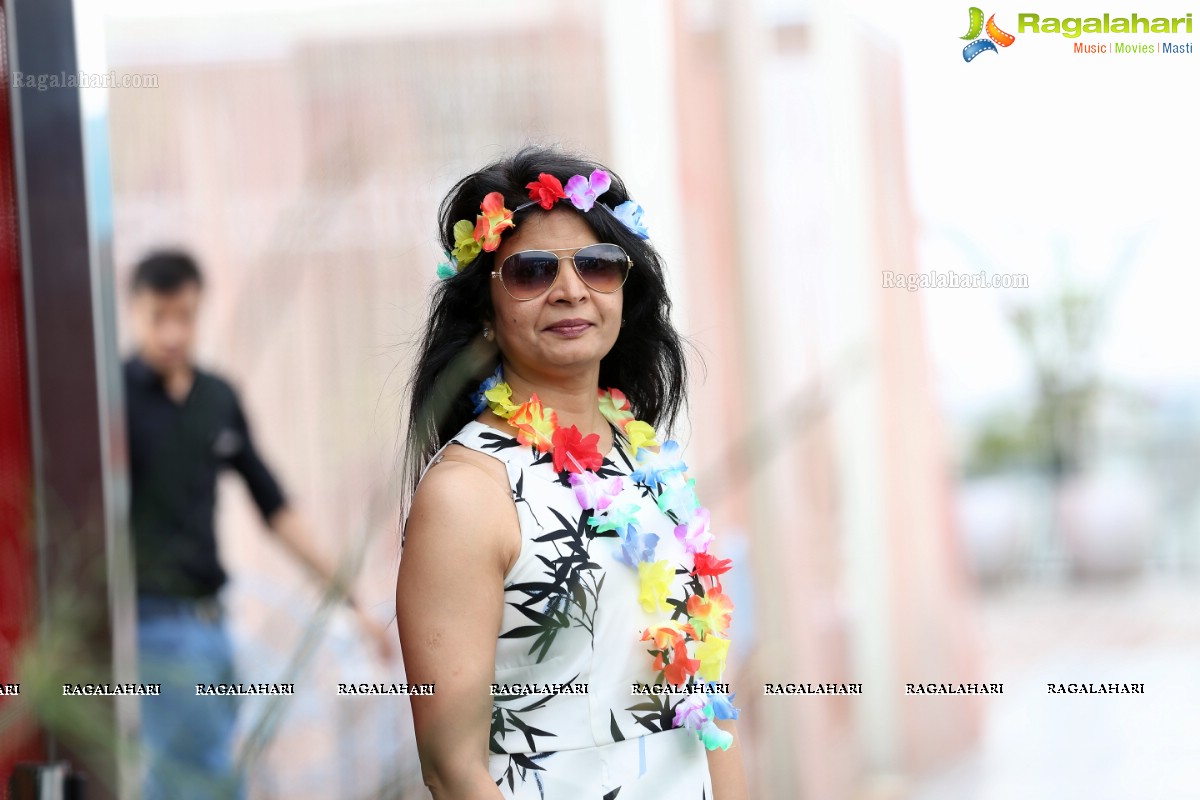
pixel 494 220
pixel 546 190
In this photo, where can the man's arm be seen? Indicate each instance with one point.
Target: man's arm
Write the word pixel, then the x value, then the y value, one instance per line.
pixel 294 533
pixel 265 490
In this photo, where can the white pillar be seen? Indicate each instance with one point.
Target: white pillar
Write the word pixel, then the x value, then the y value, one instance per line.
pixel 858 412
pixel 639 66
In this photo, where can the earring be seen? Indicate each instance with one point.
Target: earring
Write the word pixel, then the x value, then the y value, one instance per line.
pixel 622 322
pixel 487 333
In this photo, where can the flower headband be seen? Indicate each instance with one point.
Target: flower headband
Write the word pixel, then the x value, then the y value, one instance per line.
pixel 484 234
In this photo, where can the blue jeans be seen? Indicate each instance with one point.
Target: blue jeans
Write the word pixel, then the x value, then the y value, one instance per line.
pixel 186 739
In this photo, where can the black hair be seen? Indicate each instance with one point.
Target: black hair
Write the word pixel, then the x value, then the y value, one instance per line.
pixel 647 362
pixel 165 272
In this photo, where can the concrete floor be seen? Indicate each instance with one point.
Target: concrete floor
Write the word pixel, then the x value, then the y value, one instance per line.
pixel 1087 747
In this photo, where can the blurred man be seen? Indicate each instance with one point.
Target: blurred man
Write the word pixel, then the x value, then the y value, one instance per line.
pixel 186 424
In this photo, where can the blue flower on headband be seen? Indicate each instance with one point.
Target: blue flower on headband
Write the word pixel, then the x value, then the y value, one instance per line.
pixel 447 269
pixel 629 214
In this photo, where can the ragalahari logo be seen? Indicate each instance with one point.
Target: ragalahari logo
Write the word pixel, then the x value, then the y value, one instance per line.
pixel 995 36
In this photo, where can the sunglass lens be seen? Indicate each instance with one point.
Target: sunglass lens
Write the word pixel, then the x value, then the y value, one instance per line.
pixel 603 267
pixel 529 273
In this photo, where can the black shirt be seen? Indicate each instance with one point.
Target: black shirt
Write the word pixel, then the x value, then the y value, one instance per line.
pixel 175 453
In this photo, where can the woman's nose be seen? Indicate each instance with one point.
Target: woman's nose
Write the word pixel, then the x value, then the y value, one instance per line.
pixel 569 283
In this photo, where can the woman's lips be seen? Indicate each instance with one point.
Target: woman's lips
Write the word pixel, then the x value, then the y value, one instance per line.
pixel 570 328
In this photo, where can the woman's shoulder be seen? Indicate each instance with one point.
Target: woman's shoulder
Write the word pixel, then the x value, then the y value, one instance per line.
pixel 461 494
pixel 461 471
pixel 462 524
pixel 464 467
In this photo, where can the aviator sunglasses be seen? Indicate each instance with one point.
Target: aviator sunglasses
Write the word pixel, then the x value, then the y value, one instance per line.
pixel 528 274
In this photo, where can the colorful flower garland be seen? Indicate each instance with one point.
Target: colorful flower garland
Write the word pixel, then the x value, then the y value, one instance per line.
pixel 483 235
pixel 681 650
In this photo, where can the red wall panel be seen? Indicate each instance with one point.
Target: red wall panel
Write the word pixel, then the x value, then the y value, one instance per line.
pixel 17 742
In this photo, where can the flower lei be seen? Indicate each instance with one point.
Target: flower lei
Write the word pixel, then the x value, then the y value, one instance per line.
pixel 483 235
pixel 682 650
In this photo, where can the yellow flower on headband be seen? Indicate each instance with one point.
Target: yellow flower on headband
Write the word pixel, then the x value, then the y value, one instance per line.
pixel 465 246
pixel 484 234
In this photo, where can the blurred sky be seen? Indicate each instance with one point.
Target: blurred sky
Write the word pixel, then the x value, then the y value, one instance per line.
pixel 1033 144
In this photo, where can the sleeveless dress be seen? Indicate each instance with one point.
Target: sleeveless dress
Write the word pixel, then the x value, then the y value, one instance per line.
pixel 572 617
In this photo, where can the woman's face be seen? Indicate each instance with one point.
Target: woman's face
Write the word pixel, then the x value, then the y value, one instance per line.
pixel 541 335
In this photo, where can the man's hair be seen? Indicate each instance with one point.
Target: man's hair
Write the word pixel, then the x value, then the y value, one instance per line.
pixel 165 272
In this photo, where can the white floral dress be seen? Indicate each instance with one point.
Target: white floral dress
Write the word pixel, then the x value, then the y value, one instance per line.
pixel 572 616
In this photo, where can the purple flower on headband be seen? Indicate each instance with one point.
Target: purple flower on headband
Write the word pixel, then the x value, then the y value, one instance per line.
pixel 583 191
pixel 629 214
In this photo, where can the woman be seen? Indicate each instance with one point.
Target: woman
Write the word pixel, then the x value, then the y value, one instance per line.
pixel 555 555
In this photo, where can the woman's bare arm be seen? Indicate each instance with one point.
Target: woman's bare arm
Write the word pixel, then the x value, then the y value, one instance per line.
pixel 449 603
pixel 726 767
